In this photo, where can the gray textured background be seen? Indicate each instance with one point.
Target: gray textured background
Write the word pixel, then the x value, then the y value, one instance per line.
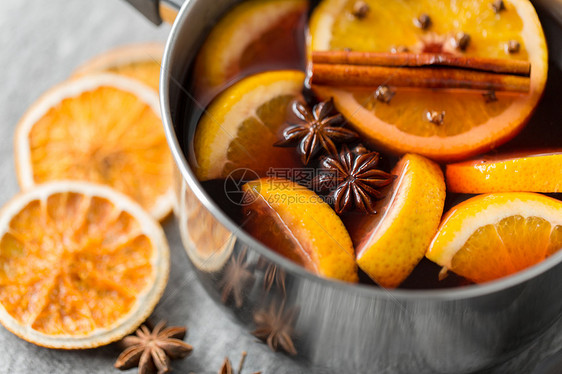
pixel 41 43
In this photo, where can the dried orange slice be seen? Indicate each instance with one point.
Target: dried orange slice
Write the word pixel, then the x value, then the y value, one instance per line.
pixel 491 236
pixel 298 224
pixel 471 124
pixel 390 244
pixel 81 265
pixel 99 128
pixel 241 126
pixel 254 33
pixel 138 61
pixel 531 172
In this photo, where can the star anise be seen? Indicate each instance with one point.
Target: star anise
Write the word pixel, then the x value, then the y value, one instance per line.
pixel 320 129
pixel 275 327
pixel 235 279
pixel 152 351
pixel 274 276
pixel 226 367
pixel 353 180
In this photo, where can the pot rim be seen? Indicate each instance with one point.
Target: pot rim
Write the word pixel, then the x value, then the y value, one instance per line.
pixel 456 293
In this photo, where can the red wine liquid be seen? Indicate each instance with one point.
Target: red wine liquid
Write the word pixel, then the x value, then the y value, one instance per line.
pixel 283 48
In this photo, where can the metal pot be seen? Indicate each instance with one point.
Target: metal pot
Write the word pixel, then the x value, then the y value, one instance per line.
pixel 337 326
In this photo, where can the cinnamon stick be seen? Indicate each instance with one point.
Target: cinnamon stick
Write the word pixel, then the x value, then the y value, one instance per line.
pixel 419 77
pixel 492 65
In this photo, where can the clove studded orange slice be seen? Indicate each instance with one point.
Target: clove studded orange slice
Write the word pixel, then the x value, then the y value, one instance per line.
pixel 240 127
pixel 298 224
pixel 471 123
pixel 100 128
pixel 254 33
pixel 137 61
pixel 491 236
pixel 390 243
pixel 539 171
pixel 81 265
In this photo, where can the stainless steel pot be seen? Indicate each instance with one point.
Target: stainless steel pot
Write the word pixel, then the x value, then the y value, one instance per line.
pixel 336 326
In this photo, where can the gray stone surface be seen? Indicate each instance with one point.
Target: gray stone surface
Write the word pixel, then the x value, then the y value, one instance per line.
pixel 41 42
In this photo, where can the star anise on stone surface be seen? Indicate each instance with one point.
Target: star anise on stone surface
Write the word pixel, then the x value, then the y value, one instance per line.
pixel 353 179
pixel 152 351
pixel 321 128
pixel 236 277
pixel 275 327
pixel 227 368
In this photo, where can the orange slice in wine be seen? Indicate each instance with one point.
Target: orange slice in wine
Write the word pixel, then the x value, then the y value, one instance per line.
pixel 471 123
pixel 298 224
pixel 390 244
pixel 240 127
pixel 539 171
pixel 254 33
pixel 491 236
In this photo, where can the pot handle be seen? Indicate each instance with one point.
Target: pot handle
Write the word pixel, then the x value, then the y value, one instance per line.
pixel 158 10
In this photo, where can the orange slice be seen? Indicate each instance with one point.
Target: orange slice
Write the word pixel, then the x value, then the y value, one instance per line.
pixel 298 224
pixel 390 243
pixel 99 128
pixel 532 172
pixel 491 236
pixel 138 61
pixel 471 125
pixel 253 34
pixel 239 128
pixel 81 265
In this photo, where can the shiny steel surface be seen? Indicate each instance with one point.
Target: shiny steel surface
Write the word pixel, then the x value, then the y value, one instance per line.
pixel 352 328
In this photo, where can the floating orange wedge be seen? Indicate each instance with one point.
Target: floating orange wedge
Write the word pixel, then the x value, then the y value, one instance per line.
pixel 137 61
pixel 101 128
pixel 471 125
pixel 81 265
pixel 531 172
pixel 240 127
pixel 254 33
pixel 390 243
pixel 491 236
pixel 298 224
